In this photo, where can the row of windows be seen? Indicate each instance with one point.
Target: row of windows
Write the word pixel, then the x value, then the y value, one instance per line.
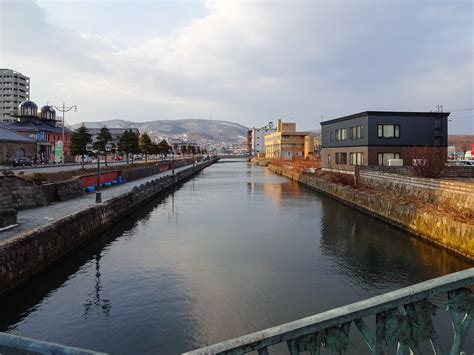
pixel 354 158
pixel 358 158
pixel 355 132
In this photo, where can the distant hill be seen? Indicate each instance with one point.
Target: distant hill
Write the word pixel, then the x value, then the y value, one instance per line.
pixel 193 129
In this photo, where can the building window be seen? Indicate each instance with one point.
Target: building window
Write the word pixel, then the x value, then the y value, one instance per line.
pixel 356 132
pixel 384 157
pixel 329 158
pixel 388 131
pixel 356 158
pixel 341 134
pixel 341 158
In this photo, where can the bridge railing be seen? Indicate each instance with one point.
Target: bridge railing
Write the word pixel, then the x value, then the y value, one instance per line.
pixel 14 344
pixel 403 318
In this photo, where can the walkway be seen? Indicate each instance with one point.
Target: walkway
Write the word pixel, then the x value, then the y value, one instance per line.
pixel 35 217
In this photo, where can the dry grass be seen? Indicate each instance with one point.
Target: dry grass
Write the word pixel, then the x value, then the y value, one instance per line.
pixel 297 164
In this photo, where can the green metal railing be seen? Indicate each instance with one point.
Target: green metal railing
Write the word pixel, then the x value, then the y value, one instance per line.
pixel 13 344
pixel 403 319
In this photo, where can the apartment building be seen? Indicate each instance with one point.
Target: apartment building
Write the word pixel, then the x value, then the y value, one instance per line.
pixel 286 142
pixel 14 88
pixel 256 138
pixel 375 137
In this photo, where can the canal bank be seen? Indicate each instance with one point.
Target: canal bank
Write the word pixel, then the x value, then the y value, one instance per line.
pixel 34 250
pixel 439 229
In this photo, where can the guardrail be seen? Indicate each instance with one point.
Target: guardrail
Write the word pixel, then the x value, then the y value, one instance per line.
pixel 403 318
pixel 13 344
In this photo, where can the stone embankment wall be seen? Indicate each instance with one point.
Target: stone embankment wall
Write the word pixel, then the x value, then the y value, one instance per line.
pixel 455 194
pixel 27 254
pixel 437 228
pixel 448 172
pixel 19 193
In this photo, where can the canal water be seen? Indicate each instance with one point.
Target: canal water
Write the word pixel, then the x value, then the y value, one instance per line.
pixel 235 250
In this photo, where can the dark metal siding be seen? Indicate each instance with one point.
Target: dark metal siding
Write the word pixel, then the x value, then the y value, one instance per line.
pixel 416 130
pixel 331 127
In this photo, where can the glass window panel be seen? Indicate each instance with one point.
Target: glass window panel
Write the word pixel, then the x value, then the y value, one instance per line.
pixel 388 131
pixel 379 131
pixel 397 131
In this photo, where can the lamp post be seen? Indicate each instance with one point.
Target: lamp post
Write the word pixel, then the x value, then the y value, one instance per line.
pixel 98 189
pixel 172 161
pixel 64 109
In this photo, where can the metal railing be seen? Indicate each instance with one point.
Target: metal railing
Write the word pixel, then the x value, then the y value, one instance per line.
pixel 403 318
pixel 13 344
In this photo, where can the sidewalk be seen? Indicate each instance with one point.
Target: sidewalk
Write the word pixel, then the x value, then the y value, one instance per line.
pixel 35 217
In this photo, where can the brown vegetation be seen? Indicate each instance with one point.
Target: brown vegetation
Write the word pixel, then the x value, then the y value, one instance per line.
pixel 428 161
pixel 297 164
pixel 461 142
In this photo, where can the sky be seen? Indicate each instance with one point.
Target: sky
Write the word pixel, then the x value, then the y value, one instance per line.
pixel 248 62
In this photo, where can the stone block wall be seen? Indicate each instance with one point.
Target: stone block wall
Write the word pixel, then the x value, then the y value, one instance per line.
pixel 457 195
pixel 18 193
pixel 436 228
pixel 29 253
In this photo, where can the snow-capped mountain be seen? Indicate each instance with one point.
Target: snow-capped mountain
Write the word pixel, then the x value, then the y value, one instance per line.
pixel 191 128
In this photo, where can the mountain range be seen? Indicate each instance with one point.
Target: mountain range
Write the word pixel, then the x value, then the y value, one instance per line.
pixel 192 129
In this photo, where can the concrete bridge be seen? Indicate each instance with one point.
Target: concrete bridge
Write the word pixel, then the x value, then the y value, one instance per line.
pixel 403 319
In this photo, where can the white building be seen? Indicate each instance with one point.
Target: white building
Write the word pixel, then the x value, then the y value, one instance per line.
pixel 258 134
pixel 14 88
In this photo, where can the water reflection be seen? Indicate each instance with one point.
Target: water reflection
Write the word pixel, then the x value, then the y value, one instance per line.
pixel 371 252
pixel 237 249
pixel 95 299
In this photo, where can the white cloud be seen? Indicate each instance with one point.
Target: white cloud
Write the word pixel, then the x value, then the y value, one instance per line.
pixel 252 61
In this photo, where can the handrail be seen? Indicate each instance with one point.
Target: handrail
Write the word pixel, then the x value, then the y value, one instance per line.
pixel 332 327
pixel 15 343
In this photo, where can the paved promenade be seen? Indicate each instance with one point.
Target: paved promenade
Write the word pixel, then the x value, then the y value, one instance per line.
pixel 35 217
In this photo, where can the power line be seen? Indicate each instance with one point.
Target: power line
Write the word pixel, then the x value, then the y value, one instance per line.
pixel 462 109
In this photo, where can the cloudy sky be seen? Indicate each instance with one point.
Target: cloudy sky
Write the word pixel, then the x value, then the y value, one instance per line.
pixel 243 61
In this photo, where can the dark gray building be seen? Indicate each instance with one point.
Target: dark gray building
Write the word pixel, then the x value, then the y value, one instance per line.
pixel 374 137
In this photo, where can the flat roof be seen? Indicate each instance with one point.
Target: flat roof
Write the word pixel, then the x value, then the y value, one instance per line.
pixel 387 113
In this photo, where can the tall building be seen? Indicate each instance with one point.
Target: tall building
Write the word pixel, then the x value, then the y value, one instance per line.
pixel 256 138
pixel 14 88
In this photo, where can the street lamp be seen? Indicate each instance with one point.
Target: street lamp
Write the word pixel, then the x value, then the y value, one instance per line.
pixel 64 109
pixel 98 189
pixel 172 159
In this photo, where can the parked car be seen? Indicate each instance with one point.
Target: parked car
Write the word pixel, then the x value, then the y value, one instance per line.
pixel 22 162
pixel 460 163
